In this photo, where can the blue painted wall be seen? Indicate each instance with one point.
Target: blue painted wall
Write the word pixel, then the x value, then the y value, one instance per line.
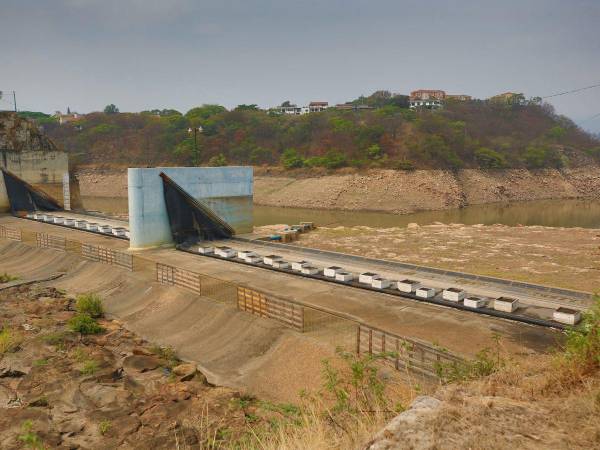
pixel 228 190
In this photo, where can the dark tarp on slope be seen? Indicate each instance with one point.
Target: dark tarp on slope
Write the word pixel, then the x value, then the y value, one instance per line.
pixel 24 197
pixel 190 219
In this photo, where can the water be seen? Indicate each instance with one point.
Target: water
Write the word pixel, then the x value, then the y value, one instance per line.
pixel 551 213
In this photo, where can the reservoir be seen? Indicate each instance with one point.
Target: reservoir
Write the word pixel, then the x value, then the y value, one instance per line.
pixel 550 213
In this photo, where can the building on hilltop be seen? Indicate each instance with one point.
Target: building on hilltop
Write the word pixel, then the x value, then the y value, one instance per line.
pixel 508 98
pixel 433 98
pixel 317 106
pixel 66 118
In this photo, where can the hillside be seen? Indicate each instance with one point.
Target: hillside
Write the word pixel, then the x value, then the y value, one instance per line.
pixel 473 134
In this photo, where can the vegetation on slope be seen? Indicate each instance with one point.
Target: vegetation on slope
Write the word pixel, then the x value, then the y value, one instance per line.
pixel 463 134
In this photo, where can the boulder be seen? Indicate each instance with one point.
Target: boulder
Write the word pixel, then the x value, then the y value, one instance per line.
pixel 185 372
pixel 140 363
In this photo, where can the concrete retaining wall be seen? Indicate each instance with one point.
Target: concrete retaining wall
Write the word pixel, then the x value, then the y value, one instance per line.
pixel 227 190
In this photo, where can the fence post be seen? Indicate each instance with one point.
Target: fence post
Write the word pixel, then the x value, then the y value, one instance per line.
pixel 358 340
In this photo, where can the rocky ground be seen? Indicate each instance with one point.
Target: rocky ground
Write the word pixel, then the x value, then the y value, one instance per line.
pixel 61 389
pixel 564 257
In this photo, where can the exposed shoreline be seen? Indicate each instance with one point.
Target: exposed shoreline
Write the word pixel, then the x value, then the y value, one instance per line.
pixel 397 192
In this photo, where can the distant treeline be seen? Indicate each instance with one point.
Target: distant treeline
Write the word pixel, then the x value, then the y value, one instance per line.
pixel 469 134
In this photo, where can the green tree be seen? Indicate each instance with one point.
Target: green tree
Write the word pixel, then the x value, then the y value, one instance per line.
pixel 374 152
pixel 244 107
pixel 201 113
pixel 111 109
pixel 537 157
pixel 290 159
pixel 218 160
pixel 489 159
pixel 557 133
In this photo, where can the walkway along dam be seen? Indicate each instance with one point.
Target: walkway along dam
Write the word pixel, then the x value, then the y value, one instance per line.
pixel 234 319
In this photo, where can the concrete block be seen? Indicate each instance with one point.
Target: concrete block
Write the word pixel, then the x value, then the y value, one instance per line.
pixel 425 292
pixel 69 222
pixel 280 264
pixel 48 218
pixel 206 250
pixel 91 226
pixel 59 220
pixel 475 302
pixel 380 282
pixel 299 265
pixel 408 286
pixel 270 259
pixel 225 252
pixel 506 304
pixel 38 216
pixel 105 229
pixel 242 254
pixel 309 270
pixel 81 224
pixel 30 215
pixel 332 271
pixel 453 294
pixel 567 316
pixel 344 276
pixel 367 277
pixel 253 259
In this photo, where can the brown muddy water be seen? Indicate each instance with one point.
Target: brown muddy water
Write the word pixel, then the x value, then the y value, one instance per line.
pixel 550 213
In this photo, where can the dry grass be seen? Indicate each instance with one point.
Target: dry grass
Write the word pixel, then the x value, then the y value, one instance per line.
pixel 9 341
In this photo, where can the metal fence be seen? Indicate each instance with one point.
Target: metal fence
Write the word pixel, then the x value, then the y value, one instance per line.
pixel 200 284
pixel 402 352
pixel 44 240
pixel 106 255
pixel 262 305
pixel 13 234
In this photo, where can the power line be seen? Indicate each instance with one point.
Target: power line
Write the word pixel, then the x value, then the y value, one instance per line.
pixel 573 91
pixel 589 118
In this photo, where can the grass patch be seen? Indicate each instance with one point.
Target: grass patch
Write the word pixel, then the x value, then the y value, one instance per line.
pixel 167 354
pixel 104 427
pixel 10 341
pixel 29 438
pixel 84 324
pixel 90 367
pixel 40 362
pixel 89 304
pixel 7 278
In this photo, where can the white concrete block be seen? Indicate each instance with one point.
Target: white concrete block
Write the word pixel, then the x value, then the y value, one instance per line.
pixel 475 302
pixel 280 264
pixel 59 219
pixel 242 254
pixel 105 229
pixel 506 304
pixel 91 226
pixel 38 216
pixel 309 270
pixel 408 286
pixel 253 259
pixel 425 292
pixel 119 231
pixel 69 222
pixel 81 224
pixel 206 250
pixel 567 316
pixel 225 252
pixel 48 218
pixel 367 277
pixel 380 282
pixel 453 294
pixel 270 259
pixel 298 265
pixel 30 215
pixel 332 271
pixel 344 276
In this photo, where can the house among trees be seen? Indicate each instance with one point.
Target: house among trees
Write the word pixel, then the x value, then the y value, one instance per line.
pixel 295 110
pixel 433 98
pixel 66 118
pixel 508 98
pixel 317 106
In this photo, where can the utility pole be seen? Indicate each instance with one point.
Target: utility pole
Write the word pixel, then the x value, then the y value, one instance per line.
pixel 15 100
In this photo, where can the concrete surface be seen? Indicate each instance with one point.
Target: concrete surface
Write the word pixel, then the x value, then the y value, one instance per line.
pixel 227 190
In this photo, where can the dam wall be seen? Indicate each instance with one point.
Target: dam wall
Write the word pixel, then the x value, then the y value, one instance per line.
pixel 226 190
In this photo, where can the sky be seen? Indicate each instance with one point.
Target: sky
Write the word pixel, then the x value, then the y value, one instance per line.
pixel 146 54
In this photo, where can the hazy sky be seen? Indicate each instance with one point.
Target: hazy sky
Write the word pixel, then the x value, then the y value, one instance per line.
pixel 143 54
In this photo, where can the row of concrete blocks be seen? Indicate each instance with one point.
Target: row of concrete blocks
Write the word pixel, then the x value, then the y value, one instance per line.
pixel 79 224
pixel 452 294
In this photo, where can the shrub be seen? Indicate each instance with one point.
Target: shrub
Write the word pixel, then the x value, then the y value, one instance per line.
pixel 9 341
pixel 403 164
pixel 374 152
pixel 582 347
pixel 104 427
pixel 85 324
pixel 89 304
pixel 90 367
pixel 489 159
pixel 334 159
pixel 290 159
pixel 7 278
pixel 29 438
pixel 218 161
pixel 537 157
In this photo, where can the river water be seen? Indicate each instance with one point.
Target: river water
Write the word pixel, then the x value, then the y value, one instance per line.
pixel 551 213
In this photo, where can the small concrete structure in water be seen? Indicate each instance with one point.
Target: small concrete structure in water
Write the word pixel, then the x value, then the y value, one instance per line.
pixel 227 191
